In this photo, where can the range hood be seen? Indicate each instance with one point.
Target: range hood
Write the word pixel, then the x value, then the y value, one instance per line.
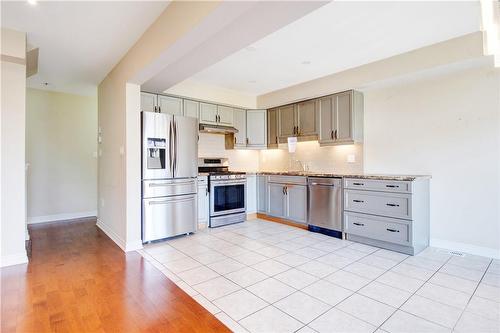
pixel 217 129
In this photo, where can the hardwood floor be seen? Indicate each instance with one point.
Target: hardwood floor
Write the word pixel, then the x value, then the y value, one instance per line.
pixel 78 280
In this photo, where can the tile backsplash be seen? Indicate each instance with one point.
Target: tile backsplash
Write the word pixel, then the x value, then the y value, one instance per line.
pixel 327 159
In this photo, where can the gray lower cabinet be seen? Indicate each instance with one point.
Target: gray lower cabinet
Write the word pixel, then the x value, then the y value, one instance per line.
pixel 287 198
pixel 389 214
pixel 296 197
pixel 276 200
pixel 203 200
pixel 262 194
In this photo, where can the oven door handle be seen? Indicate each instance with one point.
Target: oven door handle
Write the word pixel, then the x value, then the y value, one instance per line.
pixel 228 182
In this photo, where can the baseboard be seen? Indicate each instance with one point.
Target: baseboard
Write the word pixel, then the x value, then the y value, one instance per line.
pixel 122 244
pixel 14 259
pixel 60 217
pixel 466 248
pixel 282 221
pixel 251 216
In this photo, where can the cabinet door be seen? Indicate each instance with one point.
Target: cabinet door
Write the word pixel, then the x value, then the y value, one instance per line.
pixel 325 110
pixel 148 102
pixel 191 108
pixel 296 208
pixel 306 118
pixel 272 128
pixel 276 200
pixel 286 122
pixel 257 128
pixel 225 115
pixel 170 105
pixel 203 204
pixel 240 123
pixel 343 119
pixel 262 194
pixel 208 113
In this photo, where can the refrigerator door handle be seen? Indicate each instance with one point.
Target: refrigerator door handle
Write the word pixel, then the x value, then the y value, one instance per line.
pixel 170 148
pixel 175 145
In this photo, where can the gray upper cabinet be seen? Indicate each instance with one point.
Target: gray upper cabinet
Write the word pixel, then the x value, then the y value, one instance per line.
pixel 191 108
pixel 306 118
pixel 286 122
pixel 225 115
pixel 256 128
pixel 208 113
pixel 272 128
pixel 170 105
pixel 148 102
pixel 341 118
pixel 240 123
pixel 296 196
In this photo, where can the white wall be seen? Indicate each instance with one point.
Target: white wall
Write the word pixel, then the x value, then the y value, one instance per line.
pixel 448 127
pixel 61 149
pixel 13 117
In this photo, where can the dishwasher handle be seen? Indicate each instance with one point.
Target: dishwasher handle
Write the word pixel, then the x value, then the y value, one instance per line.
pixel 322 184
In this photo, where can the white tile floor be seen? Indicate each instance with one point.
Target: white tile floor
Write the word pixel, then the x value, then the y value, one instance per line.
pixel 261 276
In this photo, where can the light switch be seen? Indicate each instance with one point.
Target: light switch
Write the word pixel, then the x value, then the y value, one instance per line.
pixel 351 158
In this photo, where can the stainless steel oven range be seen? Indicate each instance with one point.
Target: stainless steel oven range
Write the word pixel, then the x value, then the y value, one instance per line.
pixel 226 190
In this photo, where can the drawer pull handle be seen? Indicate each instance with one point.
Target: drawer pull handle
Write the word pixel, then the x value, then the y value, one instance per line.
pixel 360 224
pixel 392 205
pixel 392 186
pixel 359 184
pixel 358 200
pixel 392 230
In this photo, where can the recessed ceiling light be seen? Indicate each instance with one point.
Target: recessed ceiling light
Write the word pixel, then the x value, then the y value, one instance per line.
pixel 250 48
pixel 252 81
pixel 306 62
pixel 32 2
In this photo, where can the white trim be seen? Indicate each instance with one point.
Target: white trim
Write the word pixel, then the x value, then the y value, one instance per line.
pixel 467 248
pixel 126 247
pixel 60 217
pixel 14 259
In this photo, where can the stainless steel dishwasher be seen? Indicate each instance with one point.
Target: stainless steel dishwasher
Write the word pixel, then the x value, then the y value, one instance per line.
pixel 325 205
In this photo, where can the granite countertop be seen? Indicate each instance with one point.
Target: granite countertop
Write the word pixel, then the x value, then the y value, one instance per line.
pixel 360 176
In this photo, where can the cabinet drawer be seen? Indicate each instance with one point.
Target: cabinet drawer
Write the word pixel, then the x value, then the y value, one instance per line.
pixel 378 185
pixel 378 203
pixel 377 227
pixel 298 180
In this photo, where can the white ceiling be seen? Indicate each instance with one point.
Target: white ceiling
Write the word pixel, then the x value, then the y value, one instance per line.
pixel 338 36
pixel 79 41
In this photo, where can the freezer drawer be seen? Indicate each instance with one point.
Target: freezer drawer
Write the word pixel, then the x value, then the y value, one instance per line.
pixel 169 216
pixel 168 187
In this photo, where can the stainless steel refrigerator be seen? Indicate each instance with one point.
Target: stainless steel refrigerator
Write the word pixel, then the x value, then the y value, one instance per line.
pixel 169 175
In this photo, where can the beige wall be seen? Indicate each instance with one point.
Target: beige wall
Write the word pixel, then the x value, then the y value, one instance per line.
pixel 12 124
pixel 119 177
pixel 448 127
pixel 61 149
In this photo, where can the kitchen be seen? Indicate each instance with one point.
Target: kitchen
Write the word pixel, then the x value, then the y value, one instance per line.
pixel 332 168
